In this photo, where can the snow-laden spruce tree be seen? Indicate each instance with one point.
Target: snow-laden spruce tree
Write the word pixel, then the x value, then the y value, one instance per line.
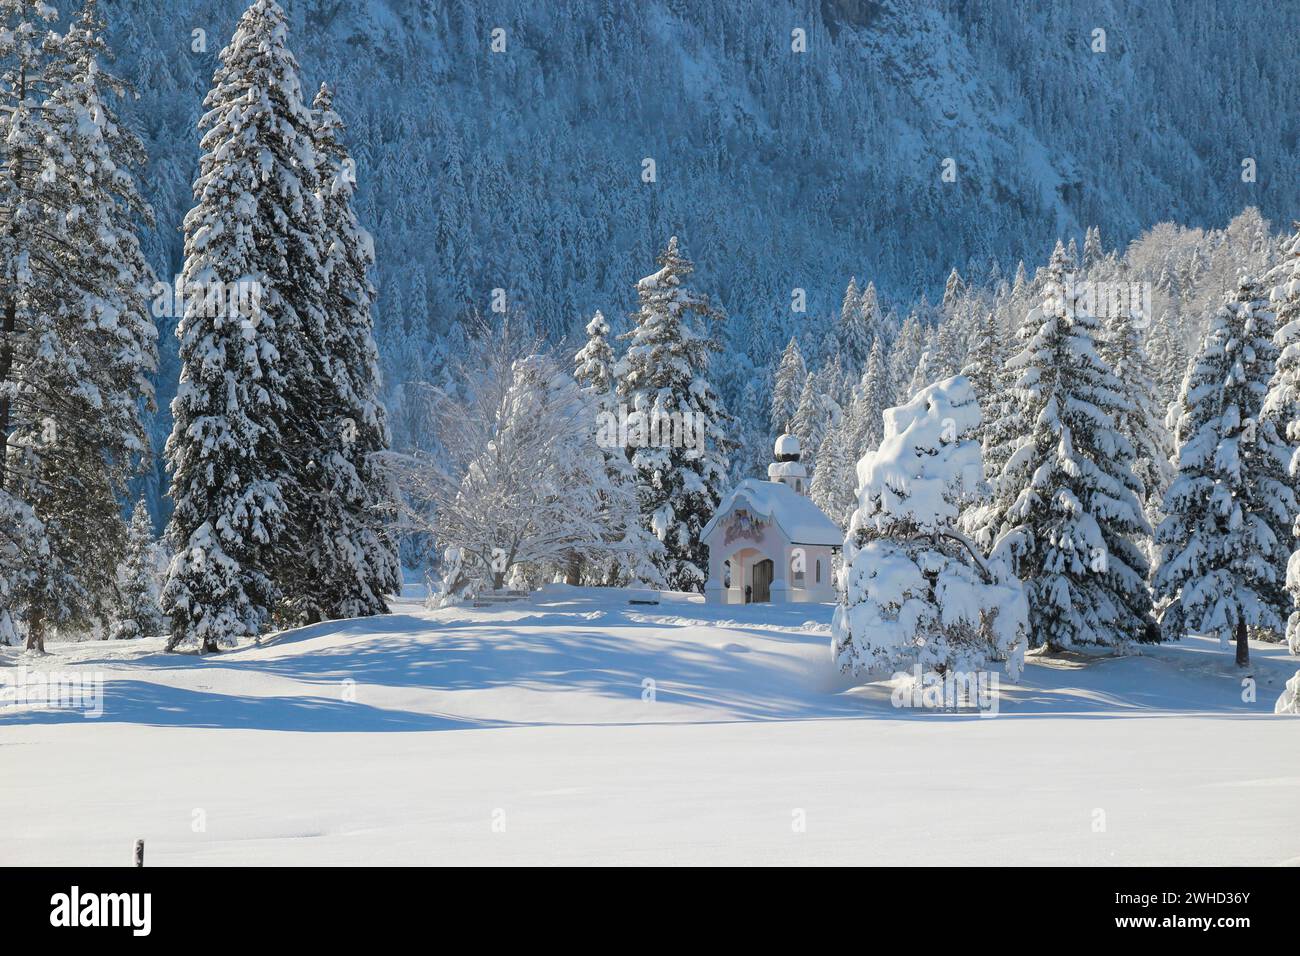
pixel 854 335
pixel 863 423
pixel 1142 423
pixel 986 369
pixel 681 466
pixel 1020 284
pixel 79 344
pixel 1282 404
pixel 948 352
pixel 137 612
pixel 244 412
pixel 873 315
pixel 811 418
pixel 24 27
pixel 920 375
pixel 1073 515
pixel 791 374
pixel 915 590
pixel 594 363
pixel 833 481
pixel 954 290
pixel 905 356
pixel 1169 353
pixel 351 562
pixel 41 357
pixel 1003 431
pixel 1092 251
pixel 21 536
pixel 1219 542
pixel 631 562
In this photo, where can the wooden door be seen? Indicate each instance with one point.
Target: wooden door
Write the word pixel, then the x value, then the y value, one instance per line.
pixel 762 581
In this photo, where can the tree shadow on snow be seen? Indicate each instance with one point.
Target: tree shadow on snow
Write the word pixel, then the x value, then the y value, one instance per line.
pixel 595 647
pixel 159 705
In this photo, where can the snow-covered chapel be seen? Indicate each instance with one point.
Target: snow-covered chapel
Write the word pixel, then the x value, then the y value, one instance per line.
pixel 768 541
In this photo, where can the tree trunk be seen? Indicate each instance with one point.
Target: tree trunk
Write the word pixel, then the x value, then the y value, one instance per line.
pixel 210 645
pixel 6 365
pixel 36 630
pixel 573 570
pixel 1243 644
pixel 10 324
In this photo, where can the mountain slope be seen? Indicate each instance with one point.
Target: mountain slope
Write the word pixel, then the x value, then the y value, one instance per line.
pixel 523 169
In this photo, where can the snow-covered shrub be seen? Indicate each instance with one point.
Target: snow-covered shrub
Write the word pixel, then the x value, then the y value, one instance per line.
pixel 915 590
pixel 1289 701
pixel 451 587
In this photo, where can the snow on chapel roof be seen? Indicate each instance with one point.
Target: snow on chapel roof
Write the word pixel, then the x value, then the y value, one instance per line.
pixel 801 520
pixel 787 444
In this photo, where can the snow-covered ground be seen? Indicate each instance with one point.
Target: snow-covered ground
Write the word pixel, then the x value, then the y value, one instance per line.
pixel 529 734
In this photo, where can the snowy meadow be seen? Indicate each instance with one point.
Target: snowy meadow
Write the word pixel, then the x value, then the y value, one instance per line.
pixel 575 728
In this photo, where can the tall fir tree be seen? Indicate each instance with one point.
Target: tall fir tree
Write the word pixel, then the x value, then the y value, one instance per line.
pixel 954 290
pixel 136 611
pixel 833 480
pixel 1168 351
pixel 1020 284
pixel 26 325
pixel 1142 423
pixel 1092 251
pixel 810 417
pixel 948 355
pixel 984 367
pixel 905 355
pixel 253 313
pixel 634 561
pixel 929 366
pixel 873 315
pixel 874 394
pixel 1282 404
pixel 1004 431
pixel 594 363
pixel 791 374
pixel 1219 542
pixel 79 343
pixel 354 566
pixel 663 377
pixel 853 337
pixel 1074 515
